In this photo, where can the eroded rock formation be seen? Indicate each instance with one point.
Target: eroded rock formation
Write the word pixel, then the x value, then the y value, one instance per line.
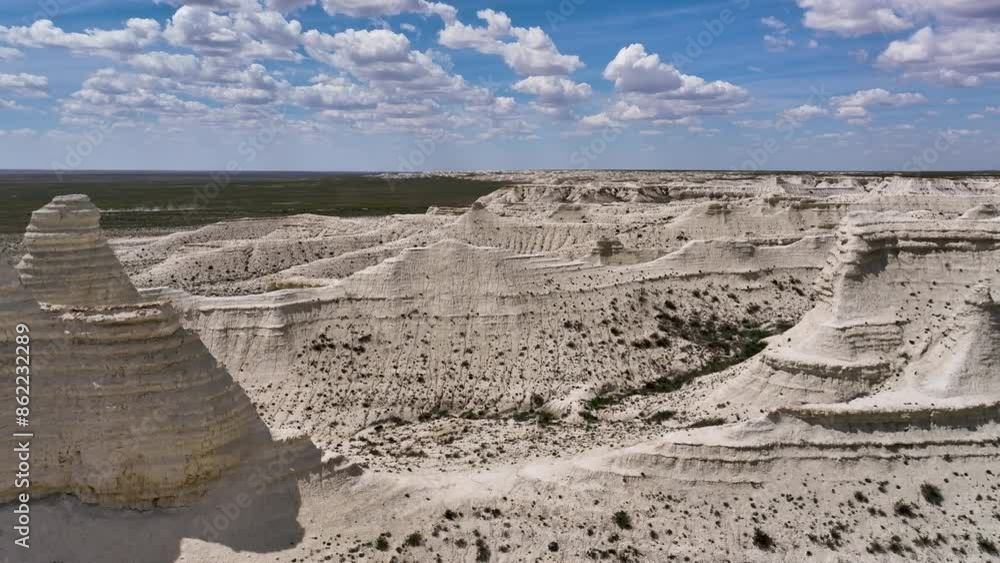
pixel 514 395
pixel 68 261
pixel 896 362
pixel 128 407
pixel 892 286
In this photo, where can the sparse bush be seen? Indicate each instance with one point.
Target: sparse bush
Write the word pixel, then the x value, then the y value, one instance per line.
pixel 904 509
pixel 762 541
pixel 706 422
pixel 662 416
pixel 415 539
pixel 546 418
pixel 483 554
pixel 897 546
pixel 623 520
pixel 932 494
pixel 382 543
pixel 987 546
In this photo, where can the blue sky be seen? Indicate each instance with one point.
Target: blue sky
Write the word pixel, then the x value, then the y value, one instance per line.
pixel 424 85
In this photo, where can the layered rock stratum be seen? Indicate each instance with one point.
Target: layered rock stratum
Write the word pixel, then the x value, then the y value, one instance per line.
pixel 129 408
pixel 629 366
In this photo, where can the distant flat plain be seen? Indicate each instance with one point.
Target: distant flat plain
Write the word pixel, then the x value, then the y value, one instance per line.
pixel 172 200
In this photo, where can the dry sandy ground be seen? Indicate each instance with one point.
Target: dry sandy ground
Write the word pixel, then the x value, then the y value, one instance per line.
pixel 572 370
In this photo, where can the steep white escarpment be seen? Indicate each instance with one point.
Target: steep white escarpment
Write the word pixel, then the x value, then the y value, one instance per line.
pixel 964 360
pixel 892 284
pixel 479 331
pixel 128 407
pixel 550 187
pixel 562 214
pixel 953 381
pixel 482 227
pixel 903 185
pixel 454 328
pixel 255 337
pixel 562 379
pixel 68 260
pixel 897 361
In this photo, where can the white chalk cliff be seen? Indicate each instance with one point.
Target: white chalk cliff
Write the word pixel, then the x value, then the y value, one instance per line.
pixel 898 360
pixel 128 407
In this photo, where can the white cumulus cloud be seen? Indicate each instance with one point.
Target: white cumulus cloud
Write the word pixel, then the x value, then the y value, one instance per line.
pixel 137 34
pixel 25 84
pixel 531 53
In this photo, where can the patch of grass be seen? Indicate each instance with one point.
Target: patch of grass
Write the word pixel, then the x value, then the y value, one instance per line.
pixel 897 546
pixel 599 403
pixel 543 418
pixel 182 199
pixel 432 415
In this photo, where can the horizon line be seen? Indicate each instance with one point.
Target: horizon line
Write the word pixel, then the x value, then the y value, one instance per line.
pixel 488 170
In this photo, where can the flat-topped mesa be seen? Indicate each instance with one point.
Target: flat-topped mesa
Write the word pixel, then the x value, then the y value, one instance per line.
pixel 659 187
pixel 68 261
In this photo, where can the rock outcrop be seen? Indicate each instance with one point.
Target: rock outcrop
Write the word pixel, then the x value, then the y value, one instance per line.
pixel 462 329
pixel 897 361
pixel 520 390
pixel 68 261
pixel 892 285
pixel 128 407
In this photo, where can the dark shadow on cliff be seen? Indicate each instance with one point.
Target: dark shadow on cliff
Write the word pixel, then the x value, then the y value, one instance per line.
pixel 256 511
